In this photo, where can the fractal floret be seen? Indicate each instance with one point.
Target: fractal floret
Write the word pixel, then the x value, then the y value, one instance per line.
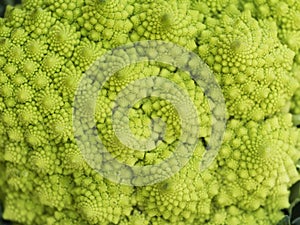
pixel 251 48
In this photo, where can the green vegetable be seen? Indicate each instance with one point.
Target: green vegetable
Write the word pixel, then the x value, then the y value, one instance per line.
pixel 4 3
pixel 252 47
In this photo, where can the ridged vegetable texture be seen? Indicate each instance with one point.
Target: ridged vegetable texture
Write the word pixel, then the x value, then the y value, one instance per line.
pixel 252 48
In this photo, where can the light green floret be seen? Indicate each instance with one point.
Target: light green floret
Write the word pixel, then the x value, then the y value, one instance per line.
pixel 19 207
pixel 29 4
pixel 28 114
pixel 285 13
pixel 65 11
pixel 212 8
pixel 136 218
pixel 18 177
pixel 66 82
pixel 43 160
pixel 38 22
pixel 106 21
pixel 287 17
pixel 234 216
pixel 86 53
pixel 59 126
pixel 15 16
pixel 16 153
pixel 99 201
pixel 166 20
pixel 63 38
pixel 183 199
pixel 52 63
pixel 35 135
pixel 71 158
pixel 18 36
pixel 55 193
pixel 257 161
pixel 28 68
pixel 36 49
pixel 250 63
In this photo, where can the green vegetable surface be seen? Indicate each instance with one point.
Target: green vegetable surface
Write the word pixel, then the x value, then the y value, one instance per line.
pixel 252 48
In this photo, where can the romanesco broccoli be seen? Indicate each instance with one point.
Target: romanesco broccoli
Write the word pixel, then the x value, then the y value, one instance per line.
pixel 46 47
